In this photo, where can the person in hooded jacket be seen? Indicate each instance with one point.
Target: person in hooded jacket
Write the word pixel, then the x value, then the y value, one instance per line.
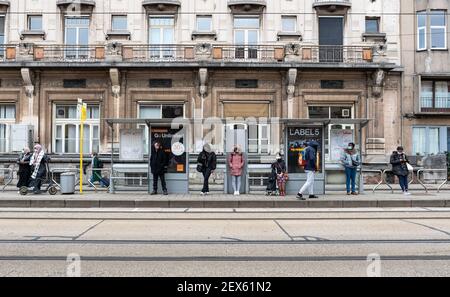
pixel 310 157
pixel 400 168
pixel 350 160
pixel 208 162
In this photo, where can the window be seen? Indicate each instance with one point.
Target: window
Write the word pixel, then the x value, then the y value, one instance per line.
pixel 77 37
pixel 289 23
pixel 427 140
pixel 35 22
pixel 434 95
pixel 119 23
pixel 438 29
pixel 246 37
pixel 67 129
pixel 162 34
pixel 258 138
pixel 421 30
pixel 204 23
pixel 332 112
pixel 372 25
pixel 7 117
pixel 2 35
pixel 158 111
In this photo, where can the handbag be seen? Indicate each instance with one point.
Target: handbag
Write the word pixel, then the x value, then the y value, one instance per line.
pixel 410 168
pixel 199 167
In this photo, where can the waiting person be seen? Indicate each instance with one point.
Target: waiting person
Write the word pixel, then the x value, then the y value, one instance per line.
pixel 279 167
pixel 158 166
pixel 236 163
pixel 24 172
pixel 38 163
pixel 207 160
pixel 96 176
pixel 350 160
pixel 399 163
pixel 310 157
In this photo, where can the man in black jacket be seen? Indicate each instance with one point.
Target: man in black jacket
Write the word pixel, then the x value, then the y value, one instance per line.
pixel 310 170
pixel 158 165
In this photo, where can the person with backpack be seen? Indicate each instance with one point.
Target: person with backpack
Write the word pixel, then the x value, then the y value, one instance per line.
pixel 206 164
pixel 350 160
pixel 236 163
pixel 158 165
pixel 310 160
pixel 96 176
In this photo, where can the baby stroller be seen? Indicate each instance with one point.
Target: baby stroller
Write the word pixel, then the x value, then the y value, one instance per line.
pixel 272 185
pixel 47 180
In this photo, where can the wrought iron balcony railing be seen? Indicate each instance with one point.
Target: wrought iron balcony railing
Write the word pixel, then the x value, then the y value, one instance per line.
pixel 435 104
pixel 133 53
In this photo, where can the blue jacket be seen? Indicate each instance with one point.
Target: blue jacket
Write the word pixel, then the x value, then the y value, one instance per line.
pixel 310 156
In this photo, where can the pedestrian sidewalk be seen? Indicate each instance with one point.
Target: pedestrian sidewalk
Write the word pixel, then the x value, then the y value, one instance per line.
pixel 419 198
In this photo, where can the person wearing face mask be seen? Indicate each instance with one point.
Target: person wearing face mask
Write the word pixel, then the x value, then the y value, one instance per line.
pixel 207 162
pixel 399 163
pixel 236 163
pixel 24 172
pixel 279 168
pixel 350 160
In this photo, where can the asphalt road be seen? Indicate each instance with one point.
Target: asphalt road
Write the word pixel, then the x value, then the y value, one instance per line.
pixel 225 243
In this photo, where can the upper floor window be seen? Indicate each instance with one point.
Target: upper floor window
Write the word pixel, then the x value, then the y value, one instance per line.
pixel 35 22
pixel 372 25
pixel 421 30
pixel 289 23
pixel 204 23
pixel 435 95
pixel 438 29
pixel 119 23
pixel 2 29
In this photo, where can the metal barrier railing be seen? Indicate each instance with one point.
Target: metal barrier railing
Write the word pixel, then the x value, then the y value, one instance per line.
pixel 431 170
pixel 10 176
pixel 383 180
pixel 109 170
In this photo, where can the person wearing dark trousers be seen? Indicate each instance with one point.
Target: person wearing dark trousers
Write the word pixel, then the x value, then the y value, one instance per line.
pixel 38 163
pixel 310 170
pixel 158 166
pixel 207 160
pixel 399 163
pixel 24 172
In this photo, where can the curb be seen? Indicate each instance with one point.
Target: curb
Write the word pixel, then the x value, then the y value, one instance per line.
pixel 77 203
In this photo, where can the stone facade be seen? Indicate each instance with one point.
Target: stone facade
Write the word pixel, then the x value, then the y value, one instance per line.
pixel 289 79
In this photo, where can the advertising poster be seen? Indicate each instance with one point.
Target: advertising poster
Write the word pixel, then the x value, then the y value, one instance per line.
pixel 339 140
pixel 174 147
pixel 298 135
pixel 131 145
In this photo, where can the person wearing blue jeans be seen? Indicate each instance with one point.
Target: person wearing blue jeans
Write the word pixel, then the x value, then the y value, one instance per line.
pixel 350 160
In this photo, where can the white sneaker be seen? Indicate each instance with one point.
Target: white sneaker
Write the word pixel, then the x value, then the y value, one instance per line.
pixel 406 193
pixel 203 194
pixel 235 193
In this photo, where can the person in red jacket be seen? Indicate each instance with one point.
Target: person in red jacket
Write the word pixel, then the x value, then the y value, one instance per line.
pixel 236 163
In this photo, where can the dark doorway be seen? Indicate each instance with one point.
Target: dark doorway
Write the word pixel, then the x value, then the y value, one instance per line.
pixel 331 39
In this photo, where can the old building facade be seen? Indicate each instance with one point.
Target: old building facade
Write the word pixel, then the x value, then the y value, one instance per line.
pixel 426 80
pixel 287 59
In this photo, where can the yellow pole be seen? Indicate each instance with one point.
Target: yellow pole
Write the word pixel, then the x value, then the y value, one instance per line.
pixel 81 157
pixel 82 119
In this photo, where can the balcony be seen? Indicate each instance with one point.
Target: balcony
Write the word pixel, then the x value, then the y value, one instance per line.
pixel 332 6
pixel 428 104
pixel 186 55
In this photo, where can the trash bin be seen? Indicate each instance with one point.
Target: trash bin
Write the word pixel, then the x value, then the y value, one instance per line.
pixel 67 183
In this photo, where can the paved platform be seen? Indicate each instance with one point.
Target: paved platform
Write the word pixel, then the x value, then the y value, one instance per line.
pixel 11 199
